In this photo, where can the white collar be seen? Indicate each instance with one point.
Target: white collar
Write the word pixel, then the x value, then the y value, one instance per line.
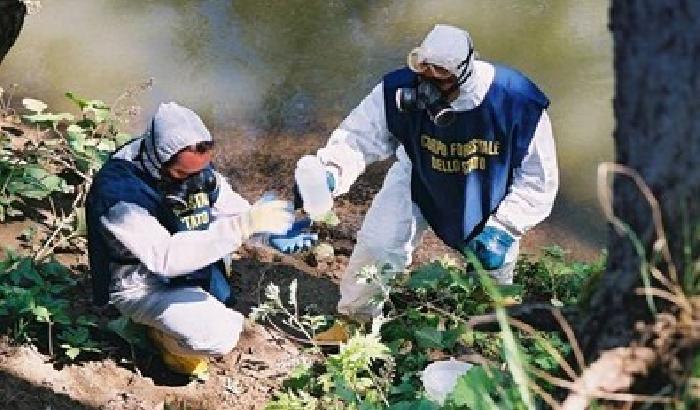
pixel 473 91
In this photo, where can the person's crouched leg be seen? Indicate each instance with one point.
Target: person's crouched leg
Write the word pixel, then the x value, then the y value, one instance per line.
pixel 189 320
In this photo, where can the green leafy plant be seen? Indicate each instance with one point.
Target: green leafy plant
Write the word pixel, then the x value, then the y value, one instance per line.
pixel 427 318
pixel 553 278
pixel 34 304
pixel 57 157
pixel 289 314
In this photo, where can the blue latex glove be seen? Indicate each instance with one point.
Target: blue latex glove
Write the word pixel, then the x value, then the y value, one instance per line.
pixel 296 239
pixel 490 247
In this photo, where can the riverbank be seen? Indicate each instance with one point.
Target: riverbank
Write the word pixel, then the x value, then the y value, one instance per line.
pixel 246 378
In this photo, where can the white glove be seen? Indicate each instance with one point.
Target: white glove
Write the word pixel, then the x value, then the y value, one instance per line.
pixel 267 216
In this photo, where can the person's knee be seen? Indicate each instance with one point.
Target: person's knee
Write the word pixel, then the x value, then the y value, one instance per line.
pixel 220 337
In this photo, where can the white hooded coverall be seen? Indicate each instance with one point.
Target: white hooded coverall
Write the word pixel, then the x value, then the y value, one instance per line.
pixel 199 323
pixel 393 226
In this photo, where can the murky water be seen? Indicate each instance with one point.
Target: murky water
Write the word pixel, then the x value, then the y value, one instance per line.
pixel 262 64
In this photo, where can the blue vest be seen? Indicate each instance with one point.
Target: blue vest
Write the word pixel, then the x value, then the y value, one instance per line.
pixel 120 180
pixel 461 172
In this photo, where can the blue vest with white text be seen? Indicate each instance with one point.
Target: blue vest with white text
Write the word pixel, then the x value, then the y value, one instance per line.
pixel 461 172
pixel 122 181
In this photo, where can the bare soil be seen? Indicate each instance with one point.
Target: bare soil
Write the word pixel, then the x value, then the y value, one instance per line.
pixel 245 378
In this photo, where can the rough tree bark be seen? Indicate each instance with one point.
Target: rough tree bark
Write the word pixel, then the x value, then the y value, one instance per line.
pixel 657 111
pixel 11 19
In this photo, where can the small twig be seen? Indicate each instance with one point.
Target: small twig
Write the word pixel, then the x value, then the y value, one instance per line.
pixel 53 208
pixel 606 202
pixel 681 302
pixel 50 338
pixel 72 168
pixel 598 393
pixel 305 342
pixel 61 225
pixel 40 254
pixel 481 320
pixel 569 332
pixel 299 326
pixel 553 404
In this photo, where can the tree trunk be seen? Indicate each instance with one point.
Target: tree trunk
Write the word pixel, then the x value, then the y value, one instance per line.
pixel 11 20
pixel 657 111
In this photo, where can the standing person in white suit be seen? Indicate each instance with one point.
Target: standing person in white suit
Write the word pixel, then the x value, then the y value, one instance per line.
pixel 476 163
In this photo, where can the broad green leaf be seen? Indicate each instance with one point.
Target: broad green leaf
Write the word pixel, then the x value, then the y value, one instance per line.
pixel 330 219
pixel 122 138
pixel 459 279
pixel 52 118
pixel 41 313
pixel 429 337
pixel 75 132
pixel 75 336
pixel 106 144
pixel 27 190
pixel 299 378
pixel 89 320
pixel 71 352
pixel 131 332
pixel 472 391
pixel 91 142
pixel 451 336
pixel 427 276
pixel 26 270
pixel 56 270
pixel 34 172
pixel 101 113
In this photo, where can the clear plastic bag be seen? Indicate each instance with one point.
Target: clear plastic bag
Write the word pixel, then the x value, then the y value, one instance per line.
pixel 439 378
pixel 310 177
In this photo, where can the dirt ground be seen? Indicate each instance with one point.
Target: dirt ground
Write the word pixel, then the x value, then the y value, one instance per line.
pixel 246 377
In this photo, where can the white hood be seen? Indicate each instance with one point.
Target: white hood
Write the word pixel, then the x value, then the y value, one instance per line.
pixel 172 128
pixel 452 48
pixel 447 47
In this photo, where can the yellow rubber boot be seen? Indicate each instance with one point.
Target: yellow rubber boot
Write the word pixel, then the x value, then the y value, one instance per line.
pixel 336 334
pixel 191 365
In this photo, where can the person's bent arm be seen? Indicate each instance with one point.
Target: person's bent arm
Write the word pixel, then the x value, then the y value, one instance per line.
pixel 169 254
pixel 535 183
pixel 362 138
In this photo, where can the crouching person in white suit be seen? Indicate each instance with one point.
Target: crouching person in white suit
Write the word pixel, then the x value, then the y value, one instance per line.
pixel 160 221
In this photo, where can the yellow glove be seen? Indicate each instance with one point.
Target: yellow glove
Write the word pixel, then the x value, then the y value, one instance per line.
pixel 267 216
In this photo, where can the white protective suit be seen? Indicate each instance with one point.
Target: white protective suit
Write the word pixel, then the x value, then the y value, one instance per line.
pixel 199 323
pixel 393 226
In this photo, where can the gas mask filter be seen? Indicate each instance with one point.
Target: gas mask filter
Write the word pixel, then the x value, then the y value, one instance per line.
pixel 426 95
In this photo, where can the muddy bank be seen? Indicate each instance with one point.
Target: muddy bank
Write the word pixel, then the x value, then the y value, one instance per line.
pixel 246 377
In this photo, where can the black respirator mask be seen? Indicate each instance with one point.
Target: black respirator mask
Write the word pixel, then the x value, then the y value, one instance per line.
pixel 177 192
pixel 426 95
